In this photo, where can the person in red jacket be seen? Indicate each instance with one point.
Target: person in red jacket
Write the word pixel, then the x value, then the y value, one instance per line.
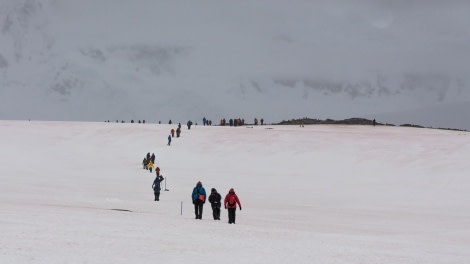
pixel 230 202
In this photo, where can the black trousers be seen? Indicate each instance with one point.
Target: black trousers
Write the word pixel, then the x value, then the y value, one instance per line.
pixel 198 204
pixel 216 213
pixel 231 215
pixel 157 196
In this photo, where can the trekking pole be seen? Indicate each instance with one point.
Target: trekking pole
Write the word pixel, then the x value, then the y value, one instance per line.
pixel 165 184
pixel 181 207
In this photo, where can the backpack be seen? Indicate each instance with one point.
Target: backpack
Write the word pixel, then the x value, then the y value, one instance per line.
pixel 232 201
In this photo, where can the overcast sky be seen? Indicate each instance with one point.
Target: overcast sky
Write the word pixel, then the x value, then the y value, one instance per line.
pixel 402 61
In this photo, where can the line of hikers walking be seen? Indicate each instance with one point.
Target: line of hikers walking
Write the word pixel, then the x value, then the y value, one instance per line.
pixel 230 202
pixel 199 198
pixel 178 131
pixel 198 195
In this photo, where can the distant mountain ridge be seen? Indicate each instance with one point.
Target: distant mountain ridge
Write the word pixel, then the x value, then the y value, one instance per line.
pixel 349 121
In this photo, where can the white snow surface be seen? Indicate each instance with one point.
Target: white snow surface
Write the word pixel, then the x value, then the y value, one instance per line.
pixel 313 194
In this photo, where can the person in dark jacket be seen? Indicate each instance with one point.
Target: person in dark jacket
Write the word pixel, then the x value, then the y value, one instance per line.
pixel 169 140
pixel 199 199
pixel 230 202
pixel 145 164
pixel 156 187
pixel 178 132
pixel 190 123
pixel 215 200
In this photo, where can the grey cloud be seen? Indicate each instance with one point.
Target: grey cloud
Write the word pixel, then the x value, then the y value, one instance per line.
pixel 3 62
pixel 156 59
pixel 95 54
pixel 435 83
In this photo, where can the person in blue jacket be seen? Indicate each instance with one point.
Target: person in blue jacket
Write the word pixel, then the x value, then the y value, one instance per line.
pixel 169 140
pixel 199 198
pixel 156 187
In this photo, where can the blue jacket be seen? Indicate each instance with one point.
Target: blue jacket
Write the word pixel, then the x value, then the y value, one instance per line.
pixel 156 184
pixel 198 190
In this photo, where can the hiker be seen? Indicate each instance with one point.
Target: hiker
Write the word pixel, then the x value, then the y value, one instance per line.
pixel 144 164
pixel 172 132
pixel 199 198
pixel 230 203
pixel 169 140
pixel 214 199
pixel 150 165
pixel 156 187
pixel 189 124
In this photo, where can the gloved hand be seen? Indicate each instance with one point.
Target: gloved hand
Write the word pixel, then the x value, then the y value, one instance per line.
pixel 225 207
pixel 194 201
pixel 240 208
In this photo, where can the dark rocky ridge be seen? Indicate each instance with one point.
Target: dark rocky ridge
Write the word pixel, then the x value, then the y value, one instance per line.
pixel 349 121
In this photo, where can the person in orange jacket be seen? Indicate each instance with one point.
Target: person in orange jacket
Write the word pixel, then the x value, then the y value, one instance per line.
pixel 230 202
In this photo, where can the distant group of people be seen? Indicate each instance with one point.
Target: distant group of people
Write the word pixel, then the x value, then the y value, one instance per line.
pixel 205 122
pixel 232 122
pixel 230 202
pixel 178 131
pixel 148 162
pixel 238 122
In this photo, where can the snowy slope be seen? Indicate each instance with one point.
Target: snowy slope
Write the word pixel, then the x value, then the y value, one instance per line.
pixel 318 194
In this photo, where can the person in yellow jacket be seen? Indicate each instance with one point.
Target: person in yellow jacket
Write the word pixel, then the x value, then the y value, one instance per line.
pixel 150 165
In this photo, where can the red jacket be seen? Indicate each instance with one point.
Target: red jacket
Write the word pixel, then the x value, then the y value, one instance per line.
pixel 231 196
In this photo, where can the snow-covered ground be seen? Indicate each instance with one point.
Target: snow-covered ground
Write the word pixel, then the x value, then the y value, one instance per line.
pixel 317 194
